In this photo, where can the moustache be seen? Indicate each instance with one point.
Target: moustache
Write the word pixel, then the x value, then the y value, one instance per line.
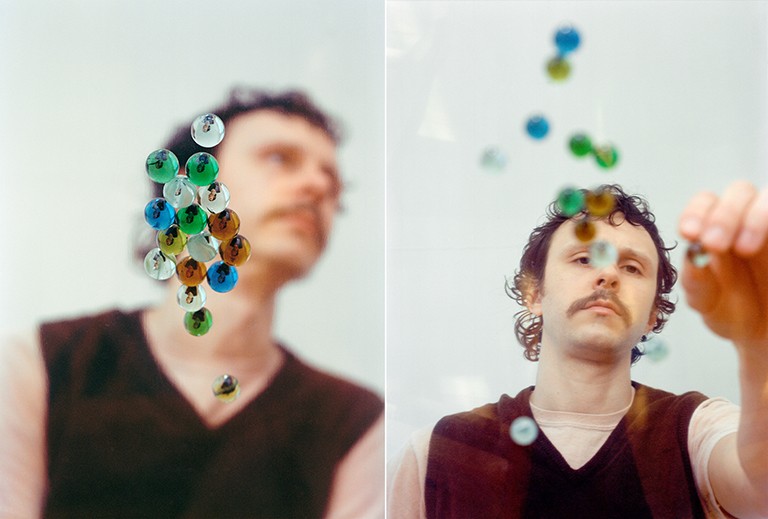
pixel 304 209
pixel 601 294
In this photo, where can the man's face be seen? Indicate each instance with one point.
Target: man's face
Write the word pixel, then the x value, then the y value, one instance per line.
pixel 601 311
pixel 282 175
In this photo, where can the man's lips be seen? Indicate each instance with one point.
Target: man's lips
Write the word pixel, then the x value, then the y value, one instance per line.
pixel 604 304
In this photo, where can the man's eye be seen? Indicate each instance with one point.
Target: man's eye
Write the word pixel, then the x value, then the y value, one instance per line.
pixel 583 260
pixel 632 269
pixel 277 157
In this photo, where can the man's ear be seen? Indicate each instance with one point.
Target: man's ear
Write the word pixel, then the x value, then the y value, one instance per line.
pixel 532 294
pixel 652 320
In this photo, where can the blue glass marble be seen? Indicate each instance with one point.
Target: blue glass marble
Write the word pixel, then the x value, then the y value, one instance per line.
pixel 567 39
pixel 537 126
pixel 222 277
pixel 159 214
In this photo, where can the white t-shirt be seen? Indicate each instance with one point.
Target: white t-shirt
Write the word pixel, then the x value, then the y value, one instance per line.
pixel 577 437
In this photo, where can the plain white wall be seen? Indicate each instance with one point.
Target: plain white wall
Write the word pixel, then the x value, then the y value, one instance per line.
pixel 678 87
pixel 89 87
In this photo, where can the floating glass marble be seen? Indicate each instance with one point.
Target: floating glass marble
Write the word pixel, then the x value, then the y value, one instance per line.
pixel 226 388
pixel 606 155
pixel 567 39
pixel 235 251
pixel 523 430
pixel 199 322
pixel 162 165
pixel 159 214
pixel 158 265
pixel 697 255
pixel 537 127
pixel 224 225
pixel 207 130
pixel 172 240
pixel 179 192
pixel 214 197
pixel 493 159
pixel 190 272
pixel 570 201
pixel 558 68
pixel 580 144
pixel 202 168
pixel 602 254
pixel 202 247
pixel 585 230
pixel 191 299
pixel 600 202
pixel 655 349
pixel 192 219
pixel 222 277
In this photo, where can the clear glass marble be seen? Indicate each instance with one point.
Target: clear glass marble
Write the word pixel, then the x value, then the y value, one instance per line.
pixel 158 265
pixel 523 430
pixel 602 254
pixel 203 247
pixel 191 299
pixel 207 130
pixel 179 192
pixel 214 197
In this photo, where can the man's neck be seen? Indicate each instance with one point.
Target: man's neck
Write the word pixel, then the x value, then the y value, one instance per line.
pixel 575 385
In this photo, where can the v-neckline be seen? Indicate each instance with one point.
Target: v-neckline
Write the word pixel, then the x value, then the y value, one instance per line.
pixel 607 451
pixel 179 400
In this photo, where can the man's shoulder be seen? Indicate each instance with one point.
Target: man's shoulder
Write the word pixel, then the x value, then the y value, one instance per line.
pixel 316 384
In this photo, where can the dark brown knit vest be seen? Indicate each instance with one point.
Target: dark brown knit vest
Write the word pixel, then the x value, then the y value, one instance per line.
pixel 643 470
pixel 122 442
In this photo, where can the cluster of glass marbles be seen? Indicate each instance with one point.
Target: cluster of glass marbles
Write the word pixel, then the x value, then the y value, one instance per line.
pixel 567 40
pixel 596 203
pixel 523 430
pixel 193 214
pixel 606 156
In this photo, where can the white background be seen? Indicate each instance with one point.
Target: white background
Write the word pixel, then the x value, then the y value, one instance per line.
pixel 678 87
pixel 89 87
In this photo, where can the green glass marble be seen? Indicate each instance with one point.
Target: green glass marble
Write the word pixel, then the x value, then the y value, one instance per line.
pixel 570 201
pixel 192 219
pixel 558 68
pixel 606 156
pixel 580 145
pixel 226 388
pixel 172 240
pixel 162 165
pixel 202 169
pixel 198 323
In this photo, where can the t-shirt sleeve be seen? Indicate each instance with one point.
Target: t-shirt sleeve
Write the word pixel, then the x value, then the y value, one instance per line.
pixel 713 420
pixel 406 475
pixel 23 408
pixel 358 485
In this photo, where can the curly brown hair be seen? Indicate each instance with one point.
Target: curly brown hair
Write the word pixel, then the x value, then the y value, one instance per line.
pixel 530 274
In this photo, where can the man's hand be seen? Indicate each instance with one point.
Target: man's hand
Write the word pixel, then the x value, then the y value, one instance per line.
pixel 731 292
